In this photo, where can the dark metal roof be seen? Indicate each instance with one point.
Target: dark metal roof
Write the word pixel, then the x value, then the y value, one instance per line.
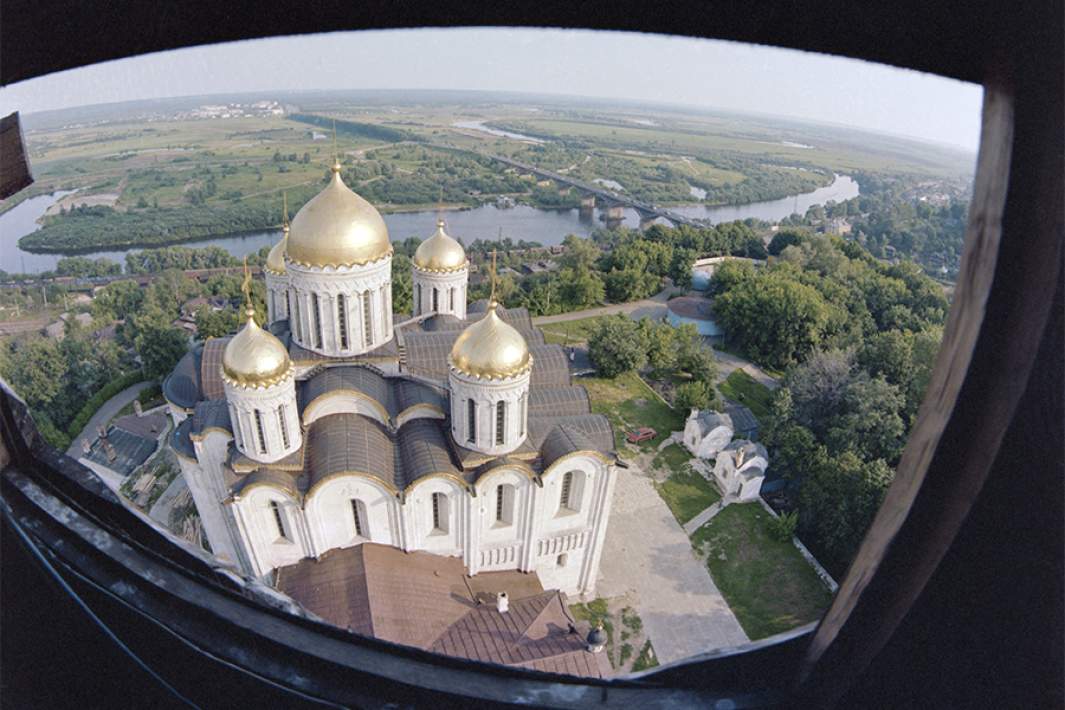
pixel 595 428
pixel 182 386
pixel 565 439
pixel 388 349
pixel 558 401
pixel 393 394
pixel 423 449
pixel 180 440
pixel 130 450
pixel 351 442
pixel 211 414
pixel 286 480
pixel 743 419
pixel 550 366
pixel 149 426
pixel 211 369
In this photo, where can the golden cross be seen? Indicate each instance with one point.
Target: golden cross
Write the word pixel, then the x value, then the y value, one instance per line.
pixel 493 277
pixel 249 309
pixel 336 154
pixel 284 208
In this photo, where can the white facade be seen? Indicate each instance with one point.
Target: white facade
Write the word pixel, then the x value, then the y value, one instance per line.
pixel 740 469
pixel 505 520
pixel 341 311
pixel 489 415
pixel 265 420
pixel 440 292
pixel 277 296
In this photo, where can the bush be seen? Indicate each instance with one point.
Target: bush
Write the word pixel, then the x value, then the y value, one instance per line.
pixel 97 400
pixel 50 432
pixel 693 395
pixel 783 528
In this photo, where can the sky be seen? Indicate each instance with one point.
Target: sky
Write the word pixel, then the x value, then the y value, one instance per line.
pixel 619 65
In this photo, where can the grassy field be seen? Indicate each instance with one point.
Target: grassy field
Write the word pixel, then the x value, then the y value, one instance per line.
pixel 744 389
pixel 630 403
pixel 570 332
pixel 766 582
pixel 685 492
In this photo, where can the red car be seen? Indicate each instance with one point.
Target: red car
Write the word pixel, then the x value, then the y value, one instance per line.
pixel 644 433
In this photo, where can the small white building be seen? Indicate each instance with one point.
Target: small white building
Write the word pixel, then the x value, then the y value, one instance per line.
pixel 740 469
pixel 707 432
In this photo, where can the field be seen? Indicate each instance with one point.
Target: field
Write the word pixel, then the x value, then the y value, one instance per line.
pixel 744 389
pixel 766 582
pixel 570 332
pixel 627 402
pixel 685 492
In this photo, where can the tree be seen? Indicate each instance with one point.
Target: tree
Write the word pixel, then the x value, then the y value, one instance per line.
pixel 580 288
pixel 36 370
pixel 615 346
pixel 693 395
pixel 870 423
pixel 661 348
pixel 402 287
pixel 160 348
pixel 216 324
pixel 817 388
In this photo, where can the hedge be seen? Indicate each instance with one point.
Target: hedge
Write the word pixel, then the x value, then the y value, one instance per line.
pixel 97 400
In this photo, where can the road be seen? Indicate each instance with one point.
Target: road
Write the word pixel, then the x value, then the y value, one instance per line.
pixel 103 415
pixel 654 307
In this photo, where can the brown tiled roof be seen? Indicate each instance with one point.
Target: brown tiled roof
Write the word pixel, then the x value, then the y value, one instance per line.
pixel 427 601
pixel 150 426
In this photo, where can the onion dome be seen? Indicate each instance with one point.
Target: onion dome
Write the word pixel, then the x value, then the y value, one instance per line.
pixel 275 260
pixel 490 348
pixel 254 357
pixel 597 637
pixel 440 252
pixel 337 228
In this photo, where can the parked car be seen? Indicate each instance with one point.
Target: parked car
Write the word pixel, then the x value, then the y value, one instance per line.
pixel 644 433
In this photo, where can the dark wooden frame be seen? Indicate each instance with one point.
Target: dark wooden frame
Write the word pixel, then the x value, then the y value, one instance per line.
pixel 990 428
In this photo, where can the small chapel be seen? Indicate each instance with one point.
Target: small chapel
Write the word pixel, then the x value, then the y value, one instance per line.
pixel 453 431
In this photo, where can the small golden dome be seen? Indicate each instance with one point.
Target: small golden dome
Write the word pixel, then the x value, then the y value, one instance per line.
pixel 440 252
pixel 254 357
pixel 490 348
pixel 275 260
pixel 337 228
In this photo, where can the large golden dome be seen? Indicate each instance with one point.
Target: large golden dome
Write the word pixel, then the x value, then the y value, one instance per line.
pixel 337 228
pixel 490 348
pixel 440 252
pixel 254 357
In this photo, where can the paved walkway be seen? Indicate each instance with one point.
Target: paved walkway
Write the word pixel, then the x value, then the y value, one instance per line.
pixel 704 517
pixel 103 415
pixel 654 307
pixel 648 555
pixel 727 363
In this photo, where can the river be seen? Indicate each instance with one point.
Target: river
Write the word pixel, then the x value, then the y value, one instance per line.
pixel 521 222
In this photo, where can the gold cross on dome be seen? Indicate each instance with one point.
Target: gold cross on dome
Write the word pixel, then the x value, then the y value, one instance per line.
pixel 493 276
pixel 246 288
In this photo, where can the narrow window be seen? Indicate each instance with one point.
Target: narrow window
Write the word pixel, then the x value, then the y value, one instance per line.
pixel 471 420
pixel 439 512
pixel 342 320
pixel 451 300
pixel 279 520
pixel 567 490
pixel 504 504
pixel 316 316
pixel 358 514
pixel 288 304
pixel 418 302
pixel 284 426
pixel 436 300
pixel 386 307
pixel 367 320
pixel 260 431
pixel 501 422
pixel 499 504
pixel 235 418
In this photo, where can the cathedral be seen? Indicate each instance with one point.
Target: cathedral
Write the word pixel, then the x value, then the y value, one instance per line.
pixel 453 431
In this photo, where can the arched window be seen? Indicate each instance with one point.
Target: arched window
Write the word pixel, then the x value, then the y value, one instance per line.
pixel 342 319
pixel 279 520
pixel 501 422
pixel 367 320
pixel 288 303
pixel 569 499
pixel 451 299
pixel 504 504
pixel 284 426
pixel 297 322
pixel 440 513
pixel 471 420
pixel 358 516
pixel 260 431
pixel 436 300
pixel 316 320
pixel 522 409
pixel 418 301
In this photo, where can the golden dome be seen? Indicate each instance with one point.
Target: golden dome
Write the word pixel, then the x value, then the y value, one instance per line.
pixel 337 228
pixel 490 348
pixel 440 252
pixel 275 260
pixel 254 357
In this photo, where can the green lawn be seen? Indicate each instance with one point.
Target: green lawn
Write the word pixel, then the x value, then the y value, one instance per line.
pixel 569 332
pixel 744 389
pixel 629 403
pixel 685 492
pixel 766 582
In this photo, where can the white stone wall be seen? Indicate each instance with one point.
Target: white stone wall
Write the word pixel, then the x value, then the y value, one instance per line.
pixel 329 284
pixel 276 300
pixel 331 520
pixel 450 289
pixel 266 546
pixel 273 403
pixel 486 394
pixel 207 486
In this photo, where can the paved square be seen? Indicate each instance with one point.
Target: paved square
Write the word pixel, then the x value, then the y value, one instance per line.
pixel 647 555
